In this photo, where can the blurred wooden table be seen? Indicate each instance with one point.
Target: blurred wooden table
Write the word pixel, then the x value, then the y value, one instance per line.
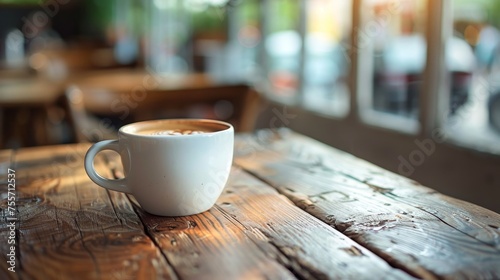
pixel 117 91
pixel 293 208
pixel 129 80
pixel 127 95
pixel 136 95
pixel 25 105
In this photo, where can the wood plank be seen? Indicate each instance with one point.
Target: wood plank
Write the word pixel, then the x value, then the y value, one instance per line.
pixel 471 219
pixel 413 227
pixel 5 164
pixel 69 227
pixel 253 232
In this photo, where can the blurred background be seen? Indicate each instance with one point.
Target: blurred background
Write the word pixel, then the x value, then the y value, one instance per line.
pixel 411 85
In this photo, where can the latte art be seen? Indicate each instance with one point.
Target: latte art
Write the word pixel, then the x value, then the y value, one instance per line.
pixel 177 132
pixel 174 127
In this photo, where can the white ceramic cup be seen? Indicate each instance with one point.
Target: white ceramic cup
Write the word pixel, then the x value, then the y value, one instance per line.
pixel 170 175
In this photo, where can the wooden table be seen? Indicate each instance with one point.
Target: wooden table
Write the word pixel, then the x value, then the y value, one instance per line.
pixel 25 106
pixel 293 208
pixel 132 95
pixel 129 80
pixel 28 106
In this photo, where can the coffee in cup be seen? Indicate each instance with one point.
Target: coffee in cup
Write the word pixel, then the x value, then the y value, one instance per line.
pixel 172 167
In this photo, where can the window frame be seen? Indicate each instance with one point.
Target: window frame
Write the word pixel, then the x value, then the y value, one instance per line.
pixel 434 93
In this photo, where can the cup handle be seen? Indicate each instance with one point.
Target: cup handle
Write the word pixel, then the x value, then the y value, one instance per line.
pixel 119 185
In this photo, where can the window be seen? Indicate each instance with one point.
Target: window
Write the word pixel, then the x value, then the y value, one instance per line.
pixel 473 75
pixel 168 38
pixel 282 49
pixel 415 65
pixel 392 54
pixel 126 23
pixel 245 39
pixel 327 62
pixel 226 38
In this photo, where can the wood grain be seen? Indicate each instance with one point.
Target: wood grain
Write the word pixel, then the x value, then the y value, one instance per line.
pixel 360 221
pixel 5 164
pixel 423 232
pixel 255 233
pixel 69 227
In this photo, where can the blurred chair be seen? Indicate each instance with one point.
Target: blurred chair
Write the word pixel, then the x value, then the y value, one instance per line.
pixel 96 113
pixel 85 127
